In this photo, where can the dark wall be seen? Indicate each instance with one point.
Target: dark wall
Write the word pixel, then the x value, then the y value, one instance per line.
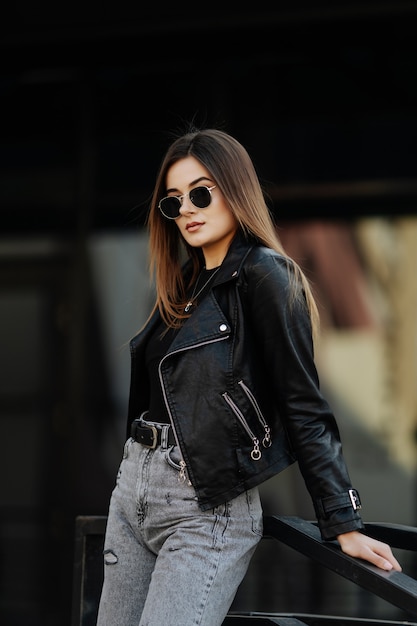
pixel 317 94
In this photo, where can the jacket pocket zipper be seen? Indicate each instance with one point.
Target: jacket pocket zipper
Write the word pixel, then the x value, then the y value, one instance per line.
pixel 255 452
pixel 266 441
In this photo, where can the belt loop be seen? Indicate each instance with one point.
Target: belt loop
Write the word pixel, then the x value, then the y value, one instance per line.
pixel 164 436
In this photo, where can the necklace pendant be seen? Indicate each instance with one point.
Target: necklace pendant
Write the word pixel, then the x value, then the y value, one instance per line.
pixel 195 295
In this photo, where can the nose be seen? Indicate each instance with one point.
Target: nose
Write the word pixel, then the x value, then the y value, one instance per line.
pixel 187 206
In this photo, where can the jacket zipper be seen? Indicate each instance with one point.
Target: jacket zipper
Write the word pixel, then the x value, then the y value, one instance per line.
pixel 266 442
pixel 255 453
pixel 183 466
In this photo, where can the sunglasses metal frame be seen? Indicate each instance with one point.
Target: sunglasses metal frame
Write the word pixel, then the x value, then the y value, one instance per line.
pixel 181 199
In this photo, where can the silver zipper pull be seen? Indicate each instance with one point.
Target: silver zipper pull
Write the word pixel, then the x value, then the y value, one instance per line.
pixel 266 441
pixel 256 453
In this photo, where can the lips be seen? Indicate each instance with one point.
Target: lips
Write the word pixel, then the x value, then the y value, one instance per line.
pixel 193 225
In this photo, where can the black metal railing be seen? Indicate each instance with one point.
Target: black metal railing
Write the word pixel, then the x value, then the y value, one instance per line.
pixel 396 588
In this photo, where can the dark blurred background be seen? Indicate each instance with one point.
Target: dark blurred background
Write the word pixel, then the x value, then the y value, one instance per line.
pixel 324 97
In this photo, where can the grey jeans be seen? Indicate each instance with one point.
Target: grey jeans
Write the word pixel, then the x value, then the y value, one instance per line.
pixel 166 562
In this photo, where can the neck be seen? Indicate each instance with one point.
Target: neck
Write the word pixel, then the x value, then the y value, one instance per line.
pixel 215 253
pixel 210 262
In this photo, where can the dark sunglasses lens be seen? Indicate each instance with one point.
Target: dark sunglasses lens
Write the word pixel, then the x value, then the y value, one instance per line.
pixel 170 207
pixel 200 197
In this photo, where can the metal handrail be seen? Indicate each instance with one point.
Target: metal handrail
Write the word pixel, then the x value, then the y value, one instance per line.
pixel 394 587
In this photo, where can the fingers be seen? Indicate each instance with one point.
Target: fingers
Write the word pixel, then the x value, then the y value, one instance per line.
pixel 361 546
pixel 383 557
pixel 385 561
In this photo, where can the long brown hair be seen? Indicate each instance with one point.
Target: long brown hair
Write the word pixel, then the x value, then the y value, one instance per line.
pixel 232 169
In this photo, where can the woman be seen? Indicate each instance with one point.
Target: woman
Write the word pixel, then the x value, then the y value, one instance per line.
pixel 224 395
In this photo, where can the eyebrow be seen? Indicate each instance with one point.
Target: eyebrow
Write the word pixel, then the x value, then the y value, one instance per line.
pixel 194 182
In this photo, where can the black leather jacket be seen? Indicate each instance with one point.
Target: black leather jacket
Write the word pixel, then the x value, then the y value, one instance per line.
pixel 242 392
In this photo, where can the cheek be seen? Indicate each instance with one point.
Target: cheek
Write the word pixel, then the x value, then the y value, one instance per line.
pixel 180 226
pixel 229 221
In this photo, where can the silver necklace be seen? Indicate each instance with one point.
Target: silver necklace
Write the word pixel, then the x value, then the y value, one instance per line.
pixel 195 295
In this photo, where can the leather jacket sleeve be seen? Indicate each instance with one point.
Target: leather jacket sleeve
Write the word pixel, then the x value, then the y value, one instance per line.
pixel 280 320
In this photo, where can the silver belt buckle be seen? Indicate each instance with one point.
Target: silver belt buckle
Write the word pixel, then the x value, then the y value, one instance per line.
pixel 154 435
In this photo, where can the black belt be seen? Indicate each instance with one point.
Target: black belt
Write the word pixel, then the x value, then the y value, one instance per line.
pixel 152 435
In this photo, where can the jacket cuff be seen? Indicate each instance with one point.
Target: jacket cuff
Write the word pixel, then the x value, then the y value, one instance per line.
pixel 327 505
pixel 331 531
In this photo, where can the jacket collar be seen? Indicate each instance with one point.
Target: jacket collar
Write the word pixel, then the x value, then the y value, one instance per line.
pixel 229 270
pixel 233 261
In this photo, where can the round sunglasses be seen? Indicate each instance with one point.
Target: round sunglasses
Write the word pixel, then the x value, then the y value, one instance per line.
pixel 199 196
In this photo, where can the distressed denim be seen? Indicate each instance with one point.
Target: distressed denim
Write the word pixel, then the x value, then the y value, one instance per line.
pixel 167 563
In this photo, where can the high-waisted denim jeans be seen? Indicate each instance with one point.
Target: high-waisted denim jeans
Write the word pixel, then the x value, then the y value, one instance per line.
pixel 167 563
